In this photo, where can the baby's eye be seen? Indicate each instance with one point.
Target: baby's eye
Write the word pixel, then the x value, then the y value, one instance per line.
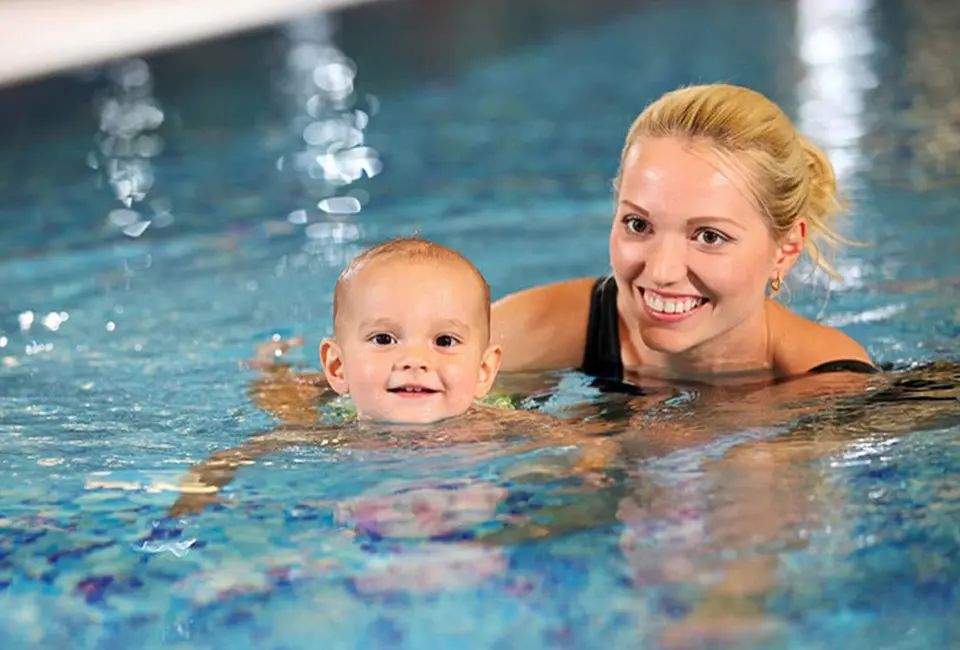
pixel 635 224
pixel 710 237
pixel 383 339
pixel 446 341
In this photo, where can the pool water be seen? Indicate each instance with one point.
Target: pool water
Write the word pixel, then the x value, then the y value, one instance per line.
pixel 161 218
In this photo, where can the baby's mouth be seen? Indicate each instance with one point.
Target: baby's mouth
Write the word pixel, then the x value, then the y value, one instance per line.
pixel 412 389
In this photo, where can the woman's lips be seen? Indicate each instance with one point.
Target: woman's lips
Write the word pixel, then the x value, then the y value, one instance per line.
pixel 670 307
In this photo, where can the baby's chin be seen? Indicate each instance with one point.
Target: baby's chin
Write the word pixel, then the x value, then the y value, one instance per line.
pixel 407 419
pixel 412 411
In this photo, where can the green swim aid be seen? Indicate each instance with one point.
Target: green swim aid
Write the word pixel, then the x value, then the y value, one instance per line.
pixel 340 409
pixel 511 402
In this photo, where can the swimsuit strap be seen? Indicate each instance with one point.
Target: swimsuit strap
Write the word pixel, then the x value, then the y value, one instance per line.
pixel 601 353
pixel 845 365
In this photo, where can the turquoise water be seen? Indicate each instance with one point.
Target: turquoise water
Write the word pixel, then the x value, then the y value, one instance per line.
pixel 122 340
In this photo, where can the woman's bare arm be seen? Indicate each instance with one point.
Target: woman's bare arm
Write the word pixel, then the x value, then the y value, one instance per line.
pixel 543 328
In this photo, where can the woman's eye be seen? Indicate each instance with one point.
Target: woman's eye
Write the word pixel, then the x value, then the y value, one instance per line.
pixel 711 237
pixel 383 339
pixel 636 224
pixel 446 341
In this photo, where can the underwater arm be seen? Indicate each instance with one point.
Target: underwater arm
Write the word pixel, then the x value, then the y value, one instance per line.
pixel 287 395
pixel 736 408
pixel 597 447
pixel 594 502
pixel 201 485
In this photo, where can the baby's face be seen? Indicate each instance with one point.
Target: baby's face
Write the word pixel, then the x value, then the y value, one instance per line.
pixel 412 342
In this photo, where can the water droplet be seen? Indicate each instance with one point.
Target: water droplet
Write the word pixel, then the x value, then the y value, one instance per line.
pixel 26 320
pixel 136 229
pixel 297 216
pixel 340 205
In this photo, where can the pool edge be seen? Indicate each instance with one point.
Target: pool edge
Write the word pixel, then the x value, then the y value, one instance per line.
pixel 65 35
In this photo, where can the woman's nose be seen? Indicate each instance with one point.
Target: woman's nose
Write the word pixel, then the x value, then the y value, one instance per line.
pixel 666 261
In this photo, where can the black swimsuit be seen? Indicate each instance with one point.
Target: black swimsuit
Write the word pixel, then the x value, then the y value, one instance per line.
pixel 601 354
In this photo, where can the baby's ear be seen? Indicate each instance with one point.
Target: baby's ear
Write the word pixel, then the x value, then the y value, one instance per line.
pixel 331 358
pixel 489 367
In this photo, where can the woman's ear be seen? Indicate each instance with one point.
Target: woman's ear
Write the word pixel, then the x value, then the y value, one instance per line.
pixel 489 367
pixel 790 248
pixel 331 358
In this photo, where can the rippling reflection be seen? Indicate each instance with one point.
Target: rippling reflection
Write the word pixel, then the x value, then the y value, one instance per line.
pixel 836 45
pixel 330 153
pixel 130 117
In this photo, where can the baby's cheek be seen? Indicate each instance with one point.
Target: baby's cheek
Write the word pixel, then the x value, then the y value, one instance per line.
pixel 369 373
pixel 363 381
pixel 464 383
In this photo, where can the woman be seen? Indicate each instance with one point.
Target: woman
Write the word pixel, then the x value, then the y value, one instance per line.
pixel 717 196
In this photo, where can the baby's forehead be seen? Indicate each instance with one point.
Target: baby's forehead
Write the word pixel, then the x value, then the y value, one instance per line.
pixel 432 276
pixel 436 271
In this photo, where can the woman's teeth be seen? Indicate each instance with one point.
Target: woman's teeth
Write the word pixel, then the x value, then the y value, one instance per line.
pixel 671 305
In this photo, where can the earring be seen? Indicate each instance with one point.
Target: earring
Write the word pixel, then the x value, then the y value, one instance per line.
pixel 775 285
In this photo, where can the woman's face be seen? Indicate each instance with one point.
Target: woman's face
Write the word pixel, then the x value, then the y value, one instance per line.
pixel 690 250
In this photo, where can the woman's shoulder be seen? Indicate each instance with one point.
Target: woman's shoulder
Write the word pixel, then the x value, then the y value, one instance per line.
pixel 543 327
pixel 800 345
pixel 545 296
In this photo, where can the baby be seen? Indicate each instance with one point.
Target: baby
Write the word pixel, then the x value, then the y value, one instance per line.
pixel 411 325
pixel 411 347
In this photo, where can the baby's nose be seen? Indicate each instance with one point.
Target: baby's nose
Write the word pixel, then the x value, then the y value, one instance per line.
pixel 413 358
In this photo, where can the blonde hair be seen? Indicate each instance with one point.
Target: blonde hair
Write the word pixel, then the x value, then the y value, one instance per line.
pixel 792 178
pixel 406 249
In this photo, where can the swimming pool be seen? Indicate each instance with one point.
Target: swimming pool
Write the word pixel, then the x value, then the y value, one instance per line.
pixel 121 338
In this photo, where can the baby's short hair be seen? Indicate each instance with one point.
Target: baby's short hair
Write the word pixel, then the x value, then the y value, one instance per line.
pixel 406 248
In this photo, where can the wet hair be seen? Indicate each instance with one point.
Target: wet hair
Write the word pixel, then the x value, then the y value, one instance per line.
pixel 411 249
pixel 790 177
